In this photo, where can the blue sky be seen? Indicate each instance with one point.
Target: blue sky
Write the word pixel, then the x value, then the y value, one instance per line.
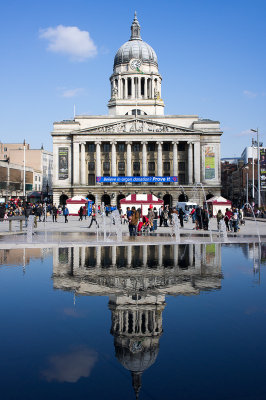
pixel 211 56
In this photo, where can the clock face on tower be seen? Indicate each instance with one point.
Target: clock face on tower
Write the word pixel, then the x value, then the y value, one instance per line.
pixel 135 63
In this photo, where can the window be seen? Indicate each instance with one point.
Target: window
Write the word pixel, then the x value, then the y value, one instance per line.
pixel 91 147
pixel 166 146
pixel 35 179
pixel 181 166
pixel 106 166
pixel 136 167
pixel 106 147
pixel 136 147
pixel 121 183
pixel 91 179
pixel 5 156
pixel 136 174
pixel 121 166
pixel 107 183
pixel 121 147
pixel 39 179
pixel 166 174
pixel 181 146
pixel 134 112
pixel 151 174
pixel 181 179
pixel 91 166
pixel 151 166
pixel 151 146
pixel 5 148
pixel 166 166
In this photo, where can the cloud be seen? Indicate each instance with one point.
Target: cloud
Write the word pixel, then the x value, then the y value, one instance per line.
pixel 72 92
pixel 70 367
pixel 246 132
pixel 249 94
pixel 71 41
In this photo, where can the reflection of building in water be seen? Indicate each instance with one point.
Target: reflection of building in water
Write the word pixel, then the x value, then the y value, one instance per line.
pixel 136 279
pixel 22 257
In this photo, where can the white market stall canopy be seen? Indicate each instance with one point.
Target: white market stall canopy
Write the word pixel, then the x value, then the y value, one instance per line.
pixel 217 203
pixel 142 201
pixel 75 203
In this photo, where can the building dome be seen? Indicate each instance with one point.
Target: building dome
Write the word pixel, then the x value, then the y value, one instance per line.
pixel 135 48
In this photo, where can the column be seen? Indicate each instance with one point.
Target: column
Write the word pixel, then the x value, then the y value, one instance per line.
pixel 139 87
pixel 175 164
pixel 144 255
pixel 82 164
pixel 152 88
pixel 197 162
pixel 126 89
pixel 98 158
pixel 144 158
pixel 159 159
pixel 83 256
pixel 145 88
pixel 113 256
pixel 119 89
pixel 190 163
pixel 129 256
pixel 113 158
pixel 75 258
pixel 76 162
pixel 132 88
pixel 98 256
pixel 128 158
pixel 55 165
pixel 160 255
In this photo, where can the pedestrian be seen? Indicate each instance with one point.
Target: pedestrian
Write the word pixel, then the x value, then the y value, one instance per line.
pixel 161 215
pixel 181 217
pixel 165 217
pixel 80 213
pixel 219 218
pixel 85 212
pixel 205 219
pixel 54 213
pixel 66 213
pixel 133 222
pixel 93 217
pixel 39 212
pixel 198 218
pixel 151 217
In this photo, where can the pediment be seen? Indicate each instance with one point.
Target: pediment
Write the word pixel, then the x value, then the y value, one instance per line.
pixel 137 126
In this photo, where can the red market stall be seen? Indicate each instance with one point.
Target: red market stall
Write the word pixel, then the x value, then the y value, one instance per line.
pixel 75 203
pixel 142 201
pixel 218 203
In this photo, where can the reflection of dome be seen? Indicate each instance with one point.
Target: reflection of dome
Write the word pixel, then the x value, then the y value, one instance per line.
pixel 138 361
pixel 135 48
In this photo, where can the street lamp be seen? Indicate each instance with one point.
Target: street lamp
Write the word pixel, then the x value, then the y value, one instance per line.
pixel 258 147
pixel 247 169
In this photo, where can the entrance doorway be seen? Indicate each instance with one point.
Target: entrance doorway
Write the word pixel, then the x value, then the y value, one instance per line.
pixel 63 199
pixel 168 200
pixel 119 197
pixel 183 197
pixel 91 197
pixel 106 200
pixel 209 196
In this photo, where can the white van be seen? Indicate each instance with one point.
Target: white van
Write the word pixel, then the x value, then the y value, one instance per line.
pixel 186 206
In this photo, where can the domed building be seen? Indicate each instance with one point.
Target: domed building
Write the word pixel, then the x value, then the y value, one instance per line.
pixel 136 148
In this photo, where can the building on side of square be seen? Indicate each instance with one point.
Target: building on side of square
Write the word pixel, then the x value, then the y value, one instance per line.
pixel 136 139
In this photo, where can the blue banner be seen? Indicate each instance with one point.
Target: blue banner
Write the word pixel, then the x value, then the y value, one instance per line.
pixel 132 179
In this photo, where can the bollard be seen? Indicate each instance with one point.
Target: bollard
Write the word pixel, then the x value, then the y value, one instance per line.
pixel 10 226
pixel 20 225
pixel 35 221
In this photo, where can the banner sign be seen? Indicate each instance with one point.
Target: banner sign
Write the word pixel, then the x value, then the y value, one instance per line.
pixel 263 168
pixel 63 163
pixel 132 179
pixel 209 162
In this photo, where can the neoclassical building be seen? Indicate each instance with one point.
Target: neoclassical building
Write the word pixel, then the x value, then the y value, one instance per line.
pixel 136 148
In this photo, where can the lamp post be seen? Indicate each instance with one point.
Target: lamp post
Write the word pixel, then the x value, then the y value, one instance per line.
pixel 258 147
pixel 246 168
pixel 24 169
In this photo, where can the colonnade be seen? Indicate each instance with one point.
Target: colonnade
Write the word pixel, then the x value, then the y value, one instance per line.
pixel 193 160
pixel 135 87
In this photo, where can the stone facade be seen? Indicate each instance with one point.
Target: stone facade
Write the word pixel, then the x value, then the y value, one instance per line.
pixel 136 139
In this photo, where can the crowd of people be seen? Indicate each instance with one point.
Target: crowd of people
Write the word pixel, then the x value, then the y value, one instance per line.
pixel 137 223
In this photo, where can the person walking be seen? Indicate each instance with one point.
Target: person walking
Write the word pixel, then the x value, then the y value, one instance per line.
pixel 133 222
pixel 219 218
pixel 80 213
pixel 165 217
pixel 151 217
pixel 54 213
pixel 181 217
pixel 66 213
pixel 93 217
